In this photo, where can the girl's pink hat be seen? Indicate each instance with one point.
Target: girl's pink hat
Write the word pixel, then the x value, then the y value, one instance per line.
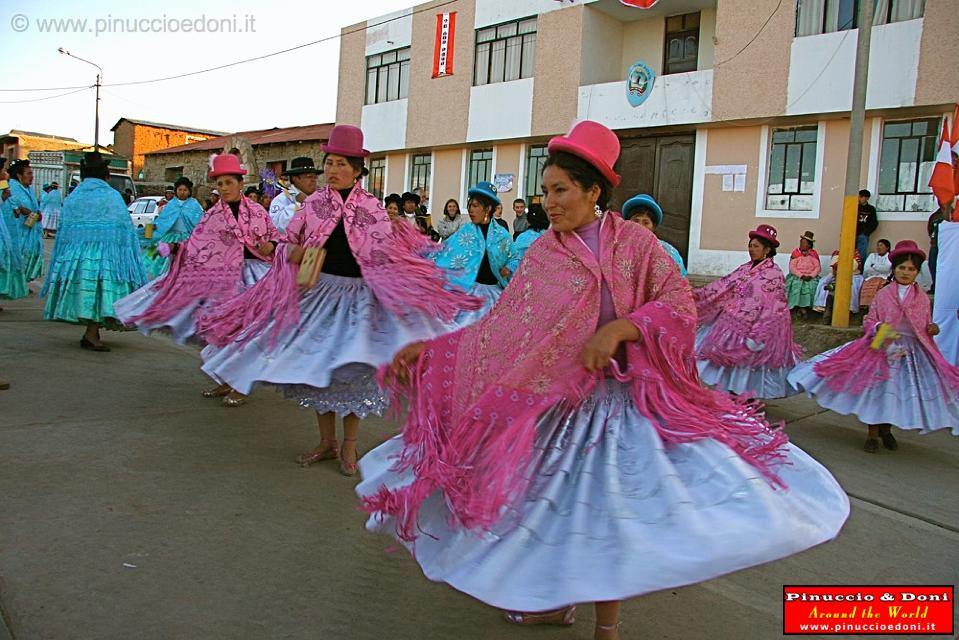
pixel 594 143
pixel 347 141
pixel 766 232
pixel 226 164
pixel 906 246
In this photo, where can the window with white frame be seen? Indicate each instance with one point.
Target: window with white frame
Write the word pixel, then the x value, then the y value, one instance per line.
pixel 420 166
pixel 480 167
pixel 388 76
pixel 535 159
pixel 376 180
pixel 825 16
pixel 791 182
pixel 505 52
pixel 906 159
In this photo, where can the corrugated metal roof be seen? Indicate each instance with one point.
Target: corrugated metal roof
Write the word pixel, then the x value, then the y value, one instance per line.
pixel 275 135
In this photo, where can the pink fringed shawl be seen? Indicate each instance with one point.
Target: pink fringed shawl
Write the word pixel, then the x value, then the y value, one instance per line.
pixel 748 319
pixel 210 264
pixel 805 264
pixel 391 255
pixel 858 366
pixel 475 395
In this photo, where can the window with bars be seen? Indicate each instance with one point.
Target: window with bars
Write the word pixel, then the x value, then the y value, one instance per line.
pixel 826 16
pixel 388 76
pixel 505 52
pixel 376 180
pixel 906 159
pixel 682 43
pixel 421 165
pixel 535 159
pixel 480 167
pixel 791 182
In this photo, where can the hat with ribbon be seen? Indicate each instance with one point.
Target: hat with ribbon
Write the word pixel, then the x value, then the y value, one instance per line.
pixel 643 203
pixel 766 232
pixel 226 164
pixel 345 140
pixel 809 237
pixel 904 247
pixel 594 143
pixel 486 190
pixel 301 165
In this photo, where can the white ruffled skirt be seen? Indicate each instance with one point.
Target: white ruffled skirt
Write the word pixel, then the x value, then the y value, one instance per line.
pixel 757 382
pixel 489 293
pixel 613 512
pixel 328 362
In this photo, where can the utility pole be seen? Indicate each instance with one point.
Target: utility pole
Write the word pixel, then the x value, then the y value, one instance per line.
pixel 96 115
pixel 850 205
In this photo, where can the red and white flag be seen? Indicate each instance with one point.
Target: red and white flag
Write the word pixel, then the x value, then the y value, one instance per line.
pixel 955 149
pixel 639 4
pixel 943 181
pixel 443 48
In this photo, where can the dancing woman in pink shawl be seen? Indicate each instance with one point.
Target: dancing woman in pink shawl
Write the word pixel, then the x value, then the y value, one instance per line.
pixel 894 375
pixel 744 343
pixel 229 249
pixel 322 345
pixel 581 460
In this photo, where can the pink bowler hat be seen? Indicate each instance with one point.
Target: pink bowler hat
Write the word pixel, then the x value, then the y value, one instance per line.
pixel 904 247
pixel 226 164
pixel 345 140
pixel 766 232
pixel 594 143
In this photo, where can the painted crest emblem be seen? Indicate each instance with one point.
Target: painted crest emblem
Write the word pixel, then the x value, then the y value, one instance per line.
pixel 639 83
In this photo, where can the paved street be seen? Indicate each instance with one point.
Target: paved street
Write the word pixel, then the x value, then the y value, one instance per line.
pixel 134 508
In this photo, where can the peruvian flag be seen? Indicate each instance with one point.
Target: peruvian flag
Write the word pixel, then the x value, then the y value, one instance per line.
pixel 443 47
pixel 943 180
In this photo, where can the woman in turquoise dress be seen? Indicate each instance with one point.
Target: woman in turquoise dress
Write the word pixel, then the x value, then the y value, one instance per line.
pixel 538 224
pixel 24 209
pixel 96 258
pixel 173 226
pixel 12 283
pixel 644 209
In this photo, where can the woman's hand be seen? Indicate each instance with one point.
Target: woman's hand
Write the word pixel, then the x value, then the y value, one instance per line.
pixel 404 359
pixel 265 248
pixel 504 272
pixel 295 255
pixel 602 346
pixel 933 329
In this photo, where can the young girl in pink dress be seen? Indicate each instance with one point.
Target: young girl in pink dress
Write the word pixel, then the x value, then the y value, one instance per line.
pixel 894 375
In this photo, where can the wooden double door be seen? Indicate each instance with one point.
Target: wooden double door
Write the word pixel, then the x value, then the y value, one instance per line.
pixel 661 166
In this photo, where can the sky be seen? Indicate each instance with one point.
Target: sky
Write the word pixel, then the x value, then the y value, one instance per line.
pixel 290 89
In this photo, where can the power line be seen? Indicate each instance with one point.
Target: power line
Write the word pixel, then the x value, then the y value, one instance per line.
pixel 753 39
pixel 247 60
pixel 60 95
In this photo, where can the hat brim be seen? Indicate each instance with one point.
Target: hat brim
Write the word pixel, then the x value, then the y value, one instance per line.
pixel 639 202
pixel 301 171
pixel 808 239
pixel 346 153
pixel 562 143
pixel 904 252
pixel 770 240
pixel 485 194
pixel 237 172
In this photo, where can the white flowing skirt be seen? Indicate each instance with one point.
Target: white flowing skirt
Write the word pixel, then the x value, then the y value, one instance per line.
pixel 613 513
pixel 758 382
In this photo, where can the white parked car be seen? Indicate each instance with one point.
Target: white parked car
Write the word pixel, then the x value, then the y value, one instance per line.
pixel 143 210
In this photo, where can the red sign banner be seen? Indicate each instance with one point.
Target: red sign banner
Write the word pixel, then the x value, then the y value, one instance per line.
pixel 868 610
pixel 443 48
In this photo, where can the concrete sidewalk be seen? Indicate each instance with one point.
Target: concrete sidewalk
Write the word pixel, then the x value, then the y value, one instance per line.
pixel 134 508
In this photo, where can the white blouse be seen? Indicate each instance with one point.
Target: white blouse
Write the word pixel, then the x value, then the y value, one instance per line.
pixel 877 266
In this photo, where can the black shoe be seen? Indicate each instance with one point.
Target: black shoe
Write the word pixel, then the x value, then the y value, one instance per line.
pixel 86 344
pixel 889 441
pixel 871 446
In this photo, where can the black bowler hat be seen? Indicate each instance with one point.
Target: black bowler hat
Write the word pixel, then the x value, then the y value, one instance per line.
pixel 301 165
pixel 393 197
pixel 411 197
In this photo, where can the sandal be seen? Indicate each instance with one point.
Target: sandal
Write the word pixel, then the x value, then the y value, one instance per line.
pixel 328 452
pixel 348 469
pixel 218 391
pixel 888 440
pixel 871 446
pixel 234 399
pixel 609 627
pixel 564 617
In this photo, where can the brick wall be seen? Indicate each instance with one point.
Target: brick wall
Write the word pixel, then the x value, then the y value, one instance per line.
pixel 134 140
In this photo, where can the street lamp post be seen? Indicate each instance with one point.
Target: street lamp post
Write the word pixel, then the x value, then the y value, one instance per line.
pixel 96 122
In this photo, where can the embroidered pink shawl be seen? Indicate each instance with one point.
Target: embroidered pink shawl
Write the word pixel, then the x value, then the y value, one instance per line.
pixel 804 264
pixel 747 318
pixel 858 366
pixel 391 256
pixel 475 395
pixel 209 265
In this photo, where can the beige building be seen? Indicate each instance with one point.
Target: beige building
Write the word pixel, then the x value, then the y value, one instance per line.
pixel 746 122
pixel 135 138
pixel 17 144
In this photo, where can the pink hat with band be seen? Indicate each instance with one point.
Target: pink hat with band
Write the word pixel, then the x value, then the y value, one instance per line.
pixel 594 143
pixel 904 247
pixel 766 232
pixel 347 141
pixel 226 164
